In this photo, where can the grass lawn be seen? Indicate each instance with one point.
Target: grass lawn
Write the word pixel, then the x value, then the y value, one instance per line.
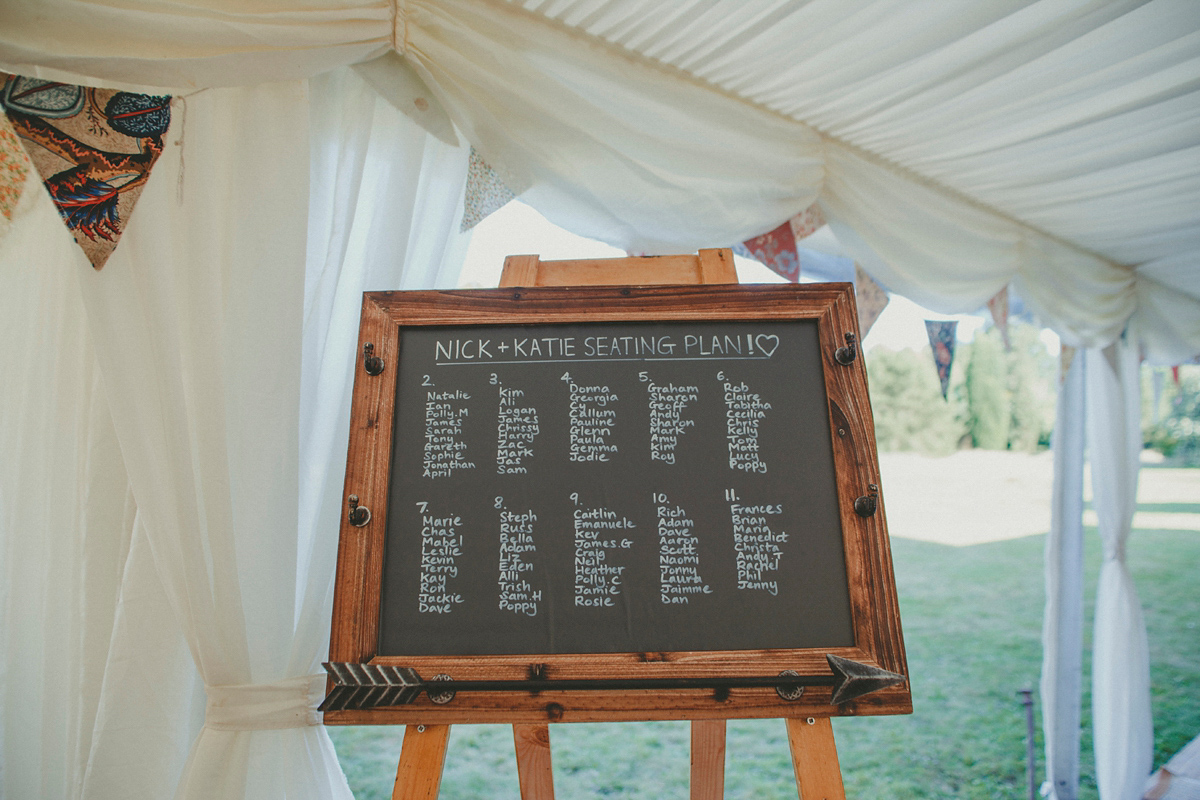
pixel 972 626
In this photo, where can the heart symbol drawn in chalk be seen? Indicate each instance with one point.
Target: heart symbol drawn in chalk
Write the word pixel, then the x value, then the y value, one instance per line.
pixel 772 343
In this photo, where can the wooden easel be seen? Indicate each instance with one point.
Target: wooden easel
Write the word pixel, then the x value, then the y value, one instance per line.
pixel 814 752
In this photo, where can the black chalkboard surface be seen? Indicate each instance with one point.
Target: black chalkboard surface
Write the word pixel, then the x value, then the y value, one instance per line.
pixel 606 503
pixel 612 488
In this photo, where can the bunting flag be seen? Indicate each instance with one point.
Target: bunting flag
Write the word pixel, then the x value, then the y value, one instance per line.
pixel 776 250
pixel 14 167
pixel 93 148
pixel 1156 385
pixel 998 305
pixel 870 298
pixel 1066 356
pixel 485 194
pixel 1175 374
pixel 941 339
pixel 807 222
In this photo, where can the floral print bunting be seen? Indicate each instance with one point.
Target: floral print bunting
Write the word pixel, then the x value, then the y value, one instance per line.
pixel 807 222
pixel 870 298
pixel 941 339
pixel 998 305
pixel 14 167
pixel 93 148
pixel 776 250
pixel 485 193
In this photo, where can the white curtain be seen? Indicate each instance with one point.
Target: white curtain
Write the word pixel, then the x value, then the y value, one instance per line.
pixel 65 510
pixel 1123 729
pixel 229 292
pixel 196 321
pixel 1062 629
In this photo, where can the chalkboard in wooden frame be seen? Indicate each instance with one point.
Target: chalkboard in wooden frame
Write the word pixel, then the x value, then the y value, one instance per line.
pixel 614 483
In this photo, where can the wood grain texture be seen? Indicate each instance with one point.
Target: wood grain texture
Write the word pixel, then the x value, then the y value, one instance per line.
pixel 520 271
pixel 874 607
pixel 815 759
pixel 533 761
pixel 422 756
pixel 708 266
pixel 708 759
pixel 716 266
pixel 360 550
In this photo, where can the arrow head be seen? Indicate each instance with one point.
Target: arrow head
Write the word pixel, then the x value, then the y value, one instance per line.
pixel 855 679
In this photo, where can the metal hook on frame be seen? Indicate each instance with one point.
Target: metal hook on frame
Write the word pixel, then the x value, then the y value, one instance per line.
pixel 372 363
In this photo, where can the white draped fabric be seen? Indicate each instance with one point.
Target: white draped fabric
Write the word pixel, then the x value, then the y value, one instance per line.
pixel 1123 729
pixel 206 322
pixel 711 122
pixel 1062 629
pixel 955 150
pixel 65 509
pixel 196 322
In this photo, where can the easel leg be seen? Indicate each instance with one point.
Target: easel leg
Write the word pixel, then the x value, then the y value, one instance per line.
pixel 814 757
pixel 421 759
pixel 533 761
pixel 708 759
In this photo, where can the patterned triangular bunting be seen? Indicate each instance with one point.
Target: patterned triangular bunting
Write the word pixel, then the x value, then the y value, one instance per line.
pixel 870 298
pixel 1066 356
pixel 485 194
pixel 14 167
pixel 941 339
pixel 93 148
pixel 776 250
pixel 807 222
pixel 998 305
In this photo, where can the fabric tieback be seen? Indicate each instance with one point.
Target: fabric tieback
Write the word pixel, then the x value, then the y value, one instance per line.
pixel 289 703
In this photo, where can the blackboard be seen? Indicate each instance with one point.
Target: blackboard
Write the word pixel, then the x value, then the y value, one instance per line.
pixel 616 487
pixel 614 483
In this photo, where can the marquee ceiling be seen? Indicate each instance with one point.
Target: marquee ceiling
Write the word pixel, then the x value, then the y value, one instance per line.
pixel 1081 120
pixel 1063 136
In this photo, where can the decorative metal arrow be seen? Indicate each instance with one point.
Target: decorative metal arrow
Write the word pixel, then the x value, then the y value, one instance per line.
pixel 363 686
pixel 855 679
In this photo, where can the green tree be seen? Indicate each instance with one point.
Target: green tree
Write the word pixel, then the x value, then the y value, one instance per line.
pixel 990 415
pixel 907 403
pixel 1177 435
pixel 1032 386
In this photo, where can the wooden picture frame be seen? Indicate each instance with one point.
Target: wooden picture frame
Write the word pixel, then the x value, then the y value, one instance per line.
pixel 877 638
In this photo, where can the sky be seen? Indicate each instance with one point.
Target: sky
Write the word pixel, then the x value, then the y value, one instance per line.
pixel 518 229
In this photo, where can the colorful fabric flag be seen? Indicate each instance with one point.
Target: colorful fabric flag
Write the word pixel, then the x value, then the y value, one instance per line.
pixel 1066 356
pixel 941 339
pixel 1175 374
pixel 485 194
pixel 1156 385
pixel 776 250
pixel 93 148
pixel 807 222
pixel 14 167
pixel 998 305
pixel 870 298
